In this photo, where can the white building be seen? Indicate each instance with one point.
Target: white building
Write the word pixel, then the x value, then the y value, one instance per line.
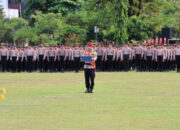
pixel 4 4
pixel 11 13
pixel 8 13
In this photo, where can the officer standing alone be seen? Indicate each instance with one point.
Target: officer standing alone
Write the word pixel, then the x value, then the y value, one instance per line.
pixel 89 68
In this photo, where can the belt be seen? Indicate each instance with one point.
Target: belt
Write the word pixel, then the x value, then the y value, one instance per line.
pixel 87 63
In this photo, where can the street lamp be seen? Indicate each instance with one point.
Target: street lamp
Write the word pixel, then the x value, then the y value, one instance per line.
pixel 96 30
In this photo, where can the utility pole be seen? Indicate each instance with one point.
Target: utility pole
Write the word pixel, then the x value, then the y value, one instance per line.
pixel 96 30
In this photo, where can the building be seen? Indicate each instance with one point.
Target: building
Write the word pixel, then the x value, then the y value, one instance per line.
pixel 12 9
pixel 4 4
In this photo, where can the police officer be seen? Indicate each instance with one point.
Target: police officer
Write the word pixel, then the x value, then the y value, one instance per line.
pixel 99 58
pixel 61 58
pixel 41 51
pixel 138 56
pixel 66 58
pixel 89 68
pixel 56 64
pixel 82 52
pixel 76 58
pixel 20 59
pixel 110 57
pixel 118 59
pixel 51 59
pixel 177 55
pixel 126 56
pixel 4 58
pixel 45 60
pixel 30 55
pixel 14 55
pixel 149 57
pixel 160 58
pixel 70 58
pixel 104 59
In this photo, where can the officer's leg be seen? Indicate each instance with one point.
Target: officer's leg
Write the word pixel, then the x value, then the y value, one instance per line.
pixel 128 68
pixel 161 61
pixel 75 63
pixel 31 63
pixel 40 64
pixel 150 64
pixel 125 63
pixel 136 60
pixel 178 63
pixel 50 64
pixel 63 63
pixel 19 65
pixel 158 63
pixel 79 62
pixel 92 76
pixel 97 64
pixel 14 64
pixel 87 77
pixel 108 63
pixel 3 64
pixel 28 64
pixel 53 64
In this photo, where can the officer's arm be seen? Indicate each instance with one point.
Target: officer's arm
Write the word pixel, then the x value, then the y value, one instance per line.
pixel 10 55
pixel 122 54
pixel 94 58
pixel 17 52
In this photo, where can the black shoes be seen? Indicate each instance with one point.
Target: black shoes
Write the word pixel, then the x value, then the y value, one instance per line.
pixel 86 91
pixel 89 91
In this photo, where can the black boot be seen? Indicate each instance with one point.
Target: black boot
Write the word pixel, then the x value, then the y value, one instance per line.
pixel 87 91
pixel 91 91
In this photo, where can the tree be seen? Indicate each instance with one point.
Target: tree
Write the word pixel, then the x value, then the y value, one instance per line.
pixel 12 25
pixel 1 13
pixel 52 6
pixel 120 17
pixel 3 30
pixel 49 26
pixel 139 29
pixel 176 24
pixel 80 34
pixel 26 35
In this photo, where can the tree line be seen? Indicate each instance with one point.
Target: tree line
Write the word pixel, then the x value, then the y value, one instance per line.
pixel 73 21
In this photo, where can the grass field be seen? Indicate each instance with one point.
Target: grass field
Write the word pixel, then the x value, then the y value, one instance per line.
pixel 56 101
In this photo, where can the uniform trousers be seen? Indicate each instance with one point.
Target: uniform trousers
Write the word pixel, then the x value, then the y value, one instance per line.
pixel 19 64
pixel 126 62
pixel 160 63
pixel 14 63
pixel 41 62
pixel 61 63
pixel 99 63
pixel 51 63
pixel 178 62
pixel 138 62
pixel 4 63
pixel 110 62
pixel 77 63
pixel 29 63
pixel 149 63
pixel 89 78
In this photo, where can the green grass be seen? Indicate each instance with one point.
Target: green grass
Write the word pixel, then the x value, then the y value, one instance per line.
pixel 56 101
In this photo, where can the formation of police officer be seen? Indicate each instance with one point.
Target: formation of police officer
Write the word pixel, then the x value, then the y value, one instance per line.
pixel 110 58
